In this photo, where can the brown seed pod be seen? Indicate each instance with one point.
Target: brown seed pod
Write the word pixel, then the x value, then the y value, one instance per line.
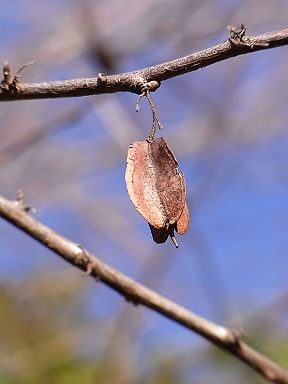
pixel 157 189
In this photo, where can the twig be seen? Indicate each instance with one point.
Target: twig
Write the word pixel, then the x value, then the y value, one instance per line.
pixel 137 293
pixel 145 91
pixel 237 37
pixel 10 83
pixel 133 81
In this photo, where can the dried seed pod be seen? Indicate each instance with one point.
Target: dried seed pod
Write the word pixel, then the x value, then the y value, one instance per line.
pixel 157 189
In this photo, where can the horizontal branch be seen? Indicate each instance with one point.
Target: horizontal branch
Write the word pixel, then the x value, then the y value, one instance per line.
pixel 16 213
pixel 133 81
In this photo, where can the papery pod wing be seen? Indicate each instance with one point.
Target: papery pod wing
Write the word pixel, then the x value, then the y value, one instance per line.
pixel 183 222
pixel 170 184
pixel 156 188
pixel 141 184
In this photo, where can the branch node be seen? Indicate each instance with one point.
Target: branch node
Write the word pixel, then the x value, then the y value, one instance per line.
pixel 101 79
pixel 89 268
pixel 131 299
pixel 145 88
pixel 235 337
pixel 83 259
pixel 21 204
pixel 238 38
pixel 10 83
pixel 151 86
pixel 237 33
pixel 7 77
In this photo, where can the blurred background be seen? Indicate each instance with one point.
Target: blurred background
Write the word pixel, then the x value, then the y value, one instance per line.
pixel 226 124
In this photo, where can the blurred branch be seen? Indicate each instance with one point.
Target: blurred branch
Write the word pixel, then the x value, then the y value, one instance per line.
pixel 39 132
pixel 237 44
pixel 15 212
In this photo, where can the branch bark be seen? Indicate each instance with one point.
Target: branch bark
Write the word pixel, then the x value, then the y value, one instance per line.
pixel 15 212
pixel 133 81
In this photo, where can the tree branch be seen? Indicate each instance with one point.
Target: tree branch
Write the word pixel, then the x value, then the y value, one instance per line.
pixel 15 212
pixel 133 81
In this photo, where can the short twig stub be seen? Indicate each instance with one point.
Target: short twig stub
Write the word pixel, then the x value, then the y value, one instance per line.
pixel 146 88
pixel 238 37
pixel 10 83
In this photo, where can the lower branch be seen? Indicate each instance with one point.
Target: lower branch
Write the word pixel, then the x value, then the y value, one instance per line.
pixel 15 212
